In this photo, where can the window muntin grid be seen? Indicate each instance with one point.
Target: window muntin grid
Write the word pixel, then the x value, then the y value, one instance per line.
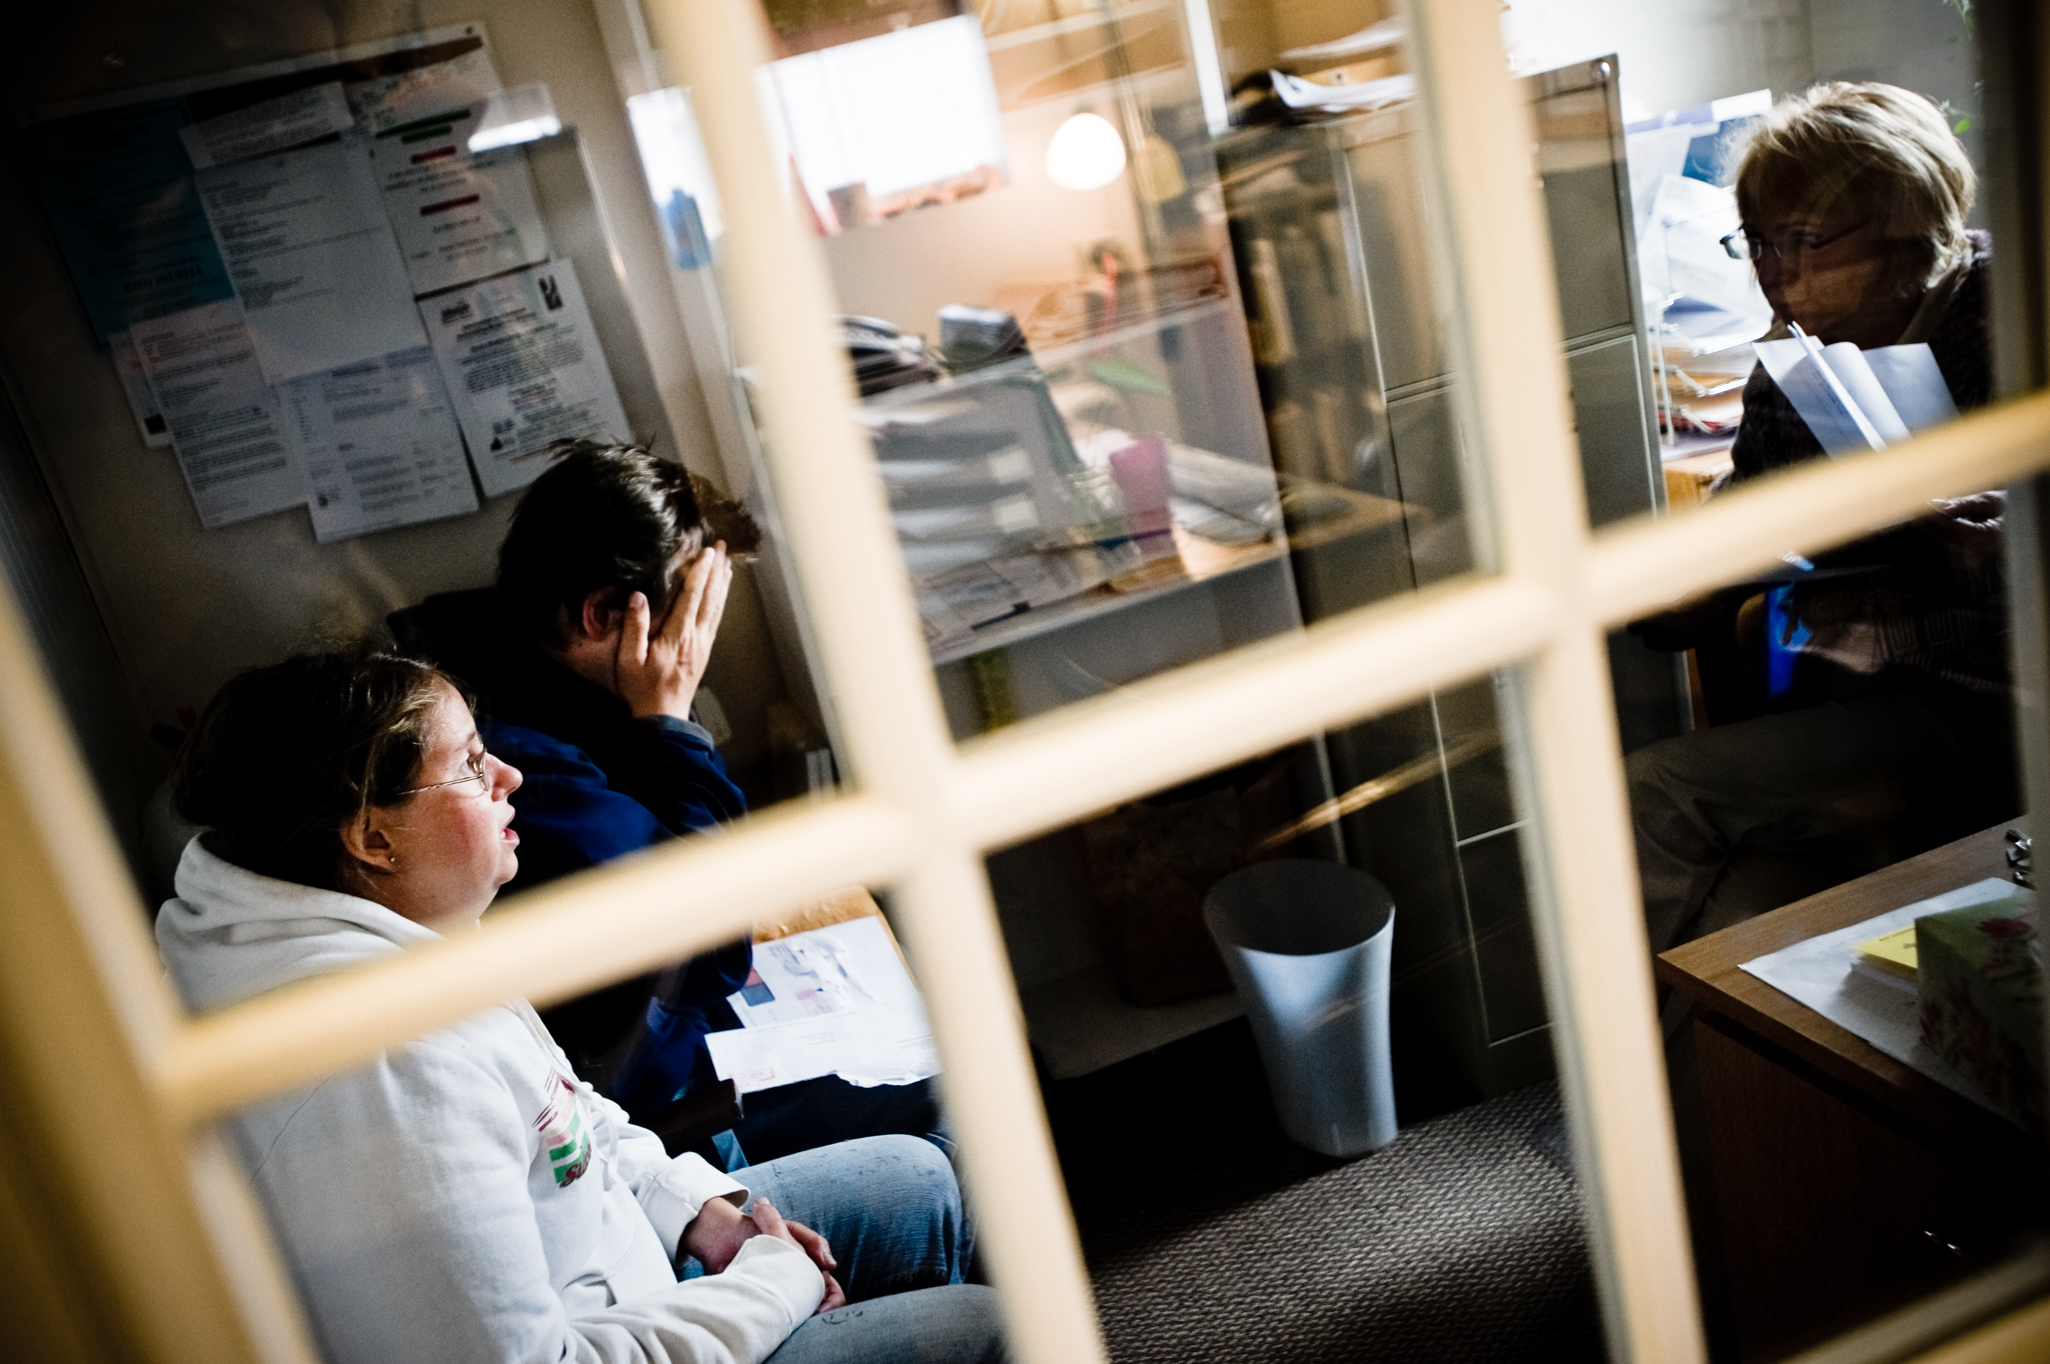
pixel 923 813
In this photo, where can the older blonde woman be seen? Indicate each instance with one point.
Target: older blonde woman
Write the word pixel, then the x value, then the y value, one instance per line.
pixel 1896 735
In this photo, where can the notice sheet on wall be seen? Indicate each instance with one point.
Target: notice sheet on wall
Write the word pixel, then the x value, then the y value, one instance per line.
pixel 270 125
pixel 312 257
pixel 223 416
pixel 522 363
pixel 117 189
pixel 379 445
pixel 458 217
pixel 461 79
pixel 149 420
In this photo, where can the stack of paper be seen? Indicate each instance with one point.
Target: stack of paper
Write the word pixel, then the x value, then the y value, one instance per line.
pixel 833 1001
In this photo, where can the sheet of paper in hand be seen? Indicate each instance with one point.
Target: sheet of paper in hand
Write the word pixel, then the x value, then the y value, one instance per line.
pixel 1856 399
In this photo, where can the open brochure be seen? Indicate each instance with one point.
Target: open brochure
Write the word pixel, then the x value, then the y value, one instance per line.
pixel 832 1001
pixel 1856 399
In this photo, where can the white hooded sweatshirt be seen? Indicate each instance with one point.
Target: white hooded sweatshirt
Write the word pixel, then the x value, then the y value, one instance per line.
pixel 465 1197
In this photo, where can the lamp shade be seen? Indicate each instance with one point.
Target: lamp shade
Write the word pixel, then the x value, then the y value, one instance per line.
pixel 1085 153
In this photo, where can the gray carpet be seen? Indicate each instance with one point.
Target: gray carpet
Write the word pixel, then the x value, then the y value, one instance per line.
pixel 1460 1242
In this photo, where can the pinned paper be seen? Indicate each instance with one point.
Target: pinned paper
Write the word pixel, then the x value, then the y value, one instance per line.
pixel 222 415
pixel 521 360
pixel 379 445
pixel 273 125
pixel 313 260
pixel 458 216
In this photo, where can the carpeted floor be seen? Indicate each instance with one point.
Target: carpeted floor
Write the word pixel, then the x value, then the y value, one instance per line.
pixel 1211 1237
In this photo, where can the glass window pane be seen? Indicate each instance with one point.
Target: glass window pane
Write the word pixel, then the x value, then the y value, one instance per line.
pixel 1817 277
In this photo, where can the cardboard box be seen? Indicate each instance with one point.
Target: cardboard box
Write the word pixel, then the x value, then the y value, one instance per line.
pixel 1979 990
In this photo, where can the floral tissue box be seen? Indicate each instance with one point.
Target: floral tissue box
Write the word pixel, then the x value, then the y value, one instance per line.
pixel 1979 989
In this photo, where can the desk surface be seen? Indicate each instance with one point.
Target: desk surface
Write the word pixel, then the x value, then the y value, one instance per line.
pixel 1708 970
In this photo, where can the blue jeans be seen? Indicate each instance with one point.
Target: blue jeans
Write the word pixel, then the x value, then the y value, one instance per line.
pixel 888 1206
pixel 957 1325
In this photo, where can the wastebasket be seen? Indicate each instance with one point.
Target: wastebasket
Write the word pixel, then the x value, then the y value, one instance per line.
pixel 1307 943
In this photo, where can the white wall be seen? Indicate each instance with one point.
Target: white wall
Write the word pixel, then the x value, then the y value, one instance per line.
pixel 1676 53
pixel 1671 53
pixel 904 269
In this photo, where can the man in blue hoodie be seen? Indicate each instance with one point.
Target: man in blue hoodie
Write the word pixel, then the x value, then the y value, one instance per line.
pixel 587 657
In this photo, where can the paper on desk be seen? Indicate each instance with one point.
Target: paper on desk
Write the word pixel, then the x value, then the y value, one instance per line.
pixel 957 601
pixel 312 258
pixel 379 445
pixel 842 966
pixel 273 125
pixel 457 216
pixel 1680 253
pixel 865 1047
pixel 223 417
pixel 521 360
pixel 834 1000
pixel 1819 973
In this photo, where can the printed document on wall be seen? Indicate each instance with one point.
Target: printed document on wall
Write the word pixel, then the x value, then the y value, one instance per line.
pixel 522 363
pixel 117 190
pixel 379 445
pixel 384 102
pixel 312 257
pixel 458 217
pixel 135 384
pixel 270 125
pixel 223 416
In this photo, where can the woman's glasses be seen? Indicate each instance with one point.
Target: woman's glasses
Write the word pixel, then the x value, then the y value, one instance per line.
pixel 476 774
pixel 1741 245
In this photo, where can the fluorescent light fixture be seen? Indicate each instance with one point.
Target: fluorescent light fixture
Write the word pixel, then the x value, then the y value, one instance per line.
pixel 1085 153
pixel 524 113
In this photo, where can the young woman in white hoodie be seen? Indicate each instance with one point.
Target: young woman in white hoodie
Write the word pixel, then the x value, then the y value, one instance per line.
pixel 465 1197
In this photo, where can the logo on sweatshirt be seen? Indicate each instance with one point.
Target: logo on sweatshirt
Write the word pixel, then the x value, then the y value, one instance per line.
pixel 564 1135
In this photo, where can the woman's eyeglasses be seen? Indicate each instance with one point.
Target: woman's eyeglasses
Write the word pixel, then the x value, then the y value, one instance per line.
pixel 476 774
pixel 1741 245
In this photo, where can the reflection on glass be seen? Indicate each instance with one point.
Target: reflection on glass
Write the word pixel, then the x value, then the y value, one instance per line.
pixel 1854 713
pixel 1861 697
pixel 1202 385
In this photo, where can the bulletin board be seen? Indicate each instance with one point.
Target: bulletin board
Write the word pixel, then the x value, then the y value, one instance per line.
pixel 323 287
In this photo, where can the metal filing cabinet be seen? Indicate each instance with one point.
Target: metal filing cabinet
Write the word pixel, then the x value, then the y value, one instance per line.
pixel 1340 272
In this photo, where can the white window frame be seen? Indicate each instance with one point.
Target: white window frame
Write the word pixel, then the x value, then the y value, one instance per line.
pixel 130 1115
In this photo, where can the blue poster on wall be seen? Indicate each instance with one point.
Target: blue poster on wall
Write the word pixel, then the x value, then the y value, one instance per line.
pixel 117 186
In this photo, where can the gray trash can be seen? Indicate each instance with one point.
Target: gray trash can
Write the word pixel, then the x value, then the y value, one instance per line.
pixel 1307 945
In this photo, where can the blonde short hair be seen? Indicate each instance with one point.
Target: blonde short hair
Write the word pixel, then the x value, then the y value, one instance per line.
pixel 1887 151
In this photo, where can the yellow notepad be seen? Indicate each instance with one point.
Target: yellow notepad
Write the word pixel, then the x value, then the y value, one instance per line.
pixel 1892 952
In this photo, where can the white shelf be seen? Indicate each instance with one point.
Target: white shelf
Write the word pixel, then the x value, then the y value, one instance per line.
pixel 1080 1023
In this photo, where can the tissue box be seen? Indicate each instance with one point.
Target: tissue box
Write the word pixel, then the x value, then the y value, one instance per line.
pixel 1979 989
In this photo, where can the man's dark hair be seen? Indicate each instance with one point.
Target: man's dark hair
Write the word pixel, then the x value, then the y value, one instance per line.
pixel 608 518
pixel 284 757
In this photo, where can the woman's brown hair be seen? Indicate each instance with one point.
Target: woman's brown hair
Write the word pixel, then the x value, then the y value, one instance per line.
pixel 284 757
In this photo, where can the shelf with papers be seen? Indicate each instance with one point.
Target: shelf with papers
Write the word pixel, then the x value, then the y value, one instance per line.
pixel 1341 512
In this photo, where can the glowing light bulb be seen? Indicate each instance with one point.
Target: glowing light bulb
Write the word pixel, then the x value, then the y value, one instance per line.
pixel 1086 153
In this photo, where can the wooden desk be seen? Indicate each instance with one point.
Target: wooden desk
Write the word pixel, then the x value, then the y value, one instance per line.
pixel 1842 1182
